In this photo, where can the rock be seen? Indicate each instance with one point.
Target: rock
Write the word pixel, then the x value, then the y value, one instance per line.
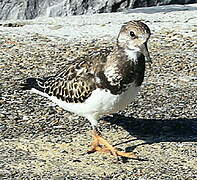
pixel 145 3
pixel 31 9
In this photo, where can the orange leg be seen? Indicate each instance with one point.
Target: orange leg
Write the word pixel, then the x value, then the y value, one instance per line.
pixel 102 145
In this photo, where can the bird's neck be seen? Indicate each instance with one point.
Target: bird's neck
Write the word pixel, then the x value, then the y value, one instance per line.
pixel 131 53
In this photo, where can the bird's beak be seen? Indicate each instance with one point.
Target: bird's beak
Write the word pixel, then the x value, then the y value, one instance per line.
pixel 144 50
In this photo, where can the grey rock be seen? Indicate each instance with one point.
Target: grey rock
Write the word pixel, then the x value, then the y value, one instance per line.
pixel 30 9
pixel 26 9
pixel 90 7
pixel 148 3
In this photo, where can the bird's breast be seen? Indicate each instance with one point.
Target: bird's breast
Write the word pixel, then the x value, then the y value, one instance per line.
pixel 101 102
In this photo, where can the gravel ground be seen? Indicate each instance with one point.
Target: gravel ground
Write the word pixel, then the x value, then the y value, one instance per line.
pixel 38 140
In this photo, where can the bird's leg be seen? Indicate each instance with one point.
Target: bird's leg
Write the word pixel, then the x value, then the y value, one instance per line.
pixel 102 145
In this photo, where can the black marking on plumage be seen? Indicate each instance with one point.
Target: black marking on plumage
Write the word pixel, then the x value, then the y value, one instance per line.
pixel 35 83
pixel 139 69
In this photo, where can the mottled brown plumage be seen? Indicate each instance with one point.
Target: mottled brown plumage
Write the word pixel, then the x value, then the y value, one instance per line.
pixel 73 85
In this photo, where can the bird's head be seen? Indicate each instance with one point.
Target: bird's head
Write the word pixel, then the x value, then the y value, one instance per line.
pixel 134 36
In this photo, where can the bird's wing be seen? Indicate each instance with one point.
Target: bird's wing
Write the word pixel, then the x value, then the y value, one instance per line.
pixel 74 84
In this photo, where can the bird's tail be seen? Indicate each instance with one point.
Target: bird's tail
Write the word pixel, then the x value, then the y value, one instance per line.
pixel 33 83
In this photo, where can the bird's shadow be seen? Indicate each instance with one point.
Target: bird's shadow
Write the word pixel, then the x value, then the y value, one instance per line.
pixel 156 130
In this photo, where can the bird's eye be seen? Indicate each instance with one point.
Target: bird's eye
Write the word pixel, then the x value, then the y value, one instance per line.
pixel 132 34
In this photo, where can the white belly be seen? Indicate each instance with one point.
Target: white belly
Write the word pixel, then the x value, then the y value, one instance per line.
pixel 100 102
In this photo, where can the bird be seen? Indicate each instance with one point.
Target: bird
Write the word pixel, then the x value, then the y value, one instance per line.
pixel 99 85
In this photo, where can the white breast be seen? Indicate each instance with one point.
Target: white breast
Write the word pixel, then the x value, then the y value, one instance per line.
pixel 100 102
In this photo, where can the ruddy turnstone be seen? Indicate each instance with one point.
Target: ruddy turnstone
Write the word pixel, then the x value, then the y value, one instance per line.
pixel 99 86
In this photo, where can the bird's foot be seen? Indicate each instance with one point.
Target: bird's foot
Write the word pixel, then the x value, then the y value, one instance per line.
pixel 101 145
